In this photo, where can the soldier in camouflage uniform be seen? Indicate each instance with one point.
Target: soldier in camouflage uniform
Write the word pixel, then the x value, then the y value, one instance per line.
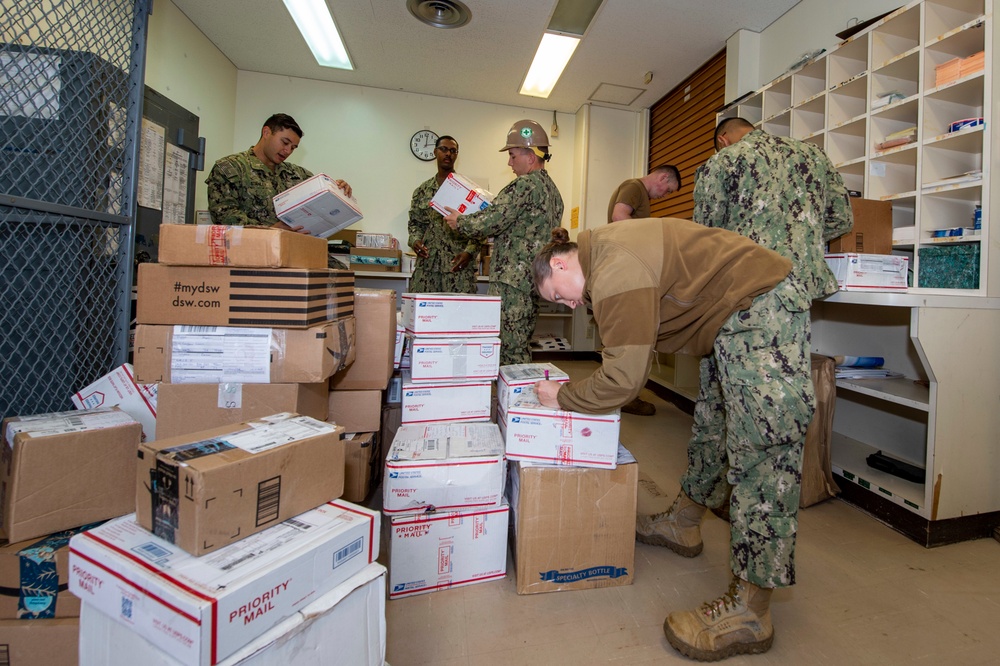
pixel 520 219
pixel 753 410
pixel 444 259
pixel 241 187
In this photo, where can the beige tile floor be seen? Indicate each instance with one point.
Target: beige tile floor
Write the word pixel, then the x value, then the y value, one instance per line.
pixel 866 595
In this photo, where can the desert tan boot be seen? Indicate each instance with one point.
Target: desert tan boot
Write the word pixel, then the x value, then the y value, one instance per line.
pixel 678 528
pixel 738 622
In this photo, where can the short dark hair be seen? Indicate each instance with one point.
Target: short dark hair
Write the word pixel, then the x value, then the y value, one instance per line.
pixel 670 169
pixel 726 123
pixel 442 138
pixel 281 121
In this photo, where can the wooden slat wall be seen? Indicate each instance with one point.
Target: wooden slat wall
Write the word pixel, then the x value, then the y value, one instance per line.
pixel 681 130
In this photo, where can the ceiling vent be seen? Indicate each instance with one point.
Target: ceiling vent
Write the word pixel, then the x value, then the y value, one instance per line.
pixel 440 13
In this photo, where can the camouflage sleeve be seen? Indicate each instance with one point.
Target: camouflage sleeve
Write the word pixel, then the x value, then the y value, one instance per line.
pixel 711 203
pixel 472 247
pixel 498 216
pixel 839 217
pixel 419 219
pixel 224 196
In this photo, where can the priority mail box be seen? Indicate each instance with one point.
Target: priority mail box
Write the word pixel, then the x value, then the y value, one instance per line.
pixel 50 642
pixel 361 463
pixel 444 467
pixel 356 411
pixel 869 272
pixel 250 247
pixel 451 315
pixel 536 433
pixel 318 205
pixel 188 408
pixel 375 317
pixel 121 388
pixel 221 354
pixel 224 296
pixel 442 359
pixel 201 610
pixel 34 578
pixel 514 378
pixel 65 469
pixel 344 627
pixel 209 489
pixel 573 528
pixel 435 551
pixel 436 402
pixel 460 193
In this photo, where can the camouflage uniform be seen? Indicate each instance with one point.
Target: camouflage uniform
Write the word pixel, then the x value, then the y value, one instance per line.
pixel 520 219
pixel 756 397
pixel 434 274
pixel 241 189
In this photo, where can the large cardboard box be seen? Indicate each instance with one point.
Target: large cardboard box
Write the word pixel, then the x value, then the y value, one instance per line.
pixel 34 578
pixel 573 528
pixel 120 388
pixel 446 359
pixel 375 317
pixel 48 642
pixel 869 272
pixel 356 411
pixel 201 610
pixel 223 354
pixel 62 470
pixel 438 402
pixel 451 315
pixel 344 627
pixel 362 458
pixel 376 259
pixel 514 378
pixel 536 433
pixel 872 232
pixel 318 205
pixel 249 247
pixel 436 551
pixel 187 408
pixel 444 467
pixel 222 296
pixel 460 193
pixel 209 489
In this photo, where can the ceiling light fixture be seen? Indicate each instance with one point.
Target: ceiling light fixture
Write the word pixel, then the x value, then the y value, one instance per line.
pixel 320 32
pixel 551 58
pixel 440 13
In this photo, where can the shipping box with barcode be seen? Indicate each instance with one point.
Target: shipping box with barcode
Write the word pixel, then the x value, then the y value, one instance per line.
pixel 224 296
pixel 869 272
pixel 223 354
pixel 200 610
pixel 208 489
pixel 66 469
pixel 459 358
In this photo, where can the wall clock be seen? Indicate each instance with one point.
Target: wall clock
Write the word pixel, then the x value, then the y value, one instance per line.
pixel 422 145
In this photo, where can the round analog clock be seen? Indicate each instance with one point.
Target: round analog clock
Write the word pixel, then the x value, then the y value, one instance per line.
pixel 422 145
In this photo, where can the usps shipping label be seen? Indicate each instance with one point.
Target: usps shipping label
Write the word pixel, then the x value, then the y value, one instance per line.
pixel 869 272
pixel 513 379
pixel 442 359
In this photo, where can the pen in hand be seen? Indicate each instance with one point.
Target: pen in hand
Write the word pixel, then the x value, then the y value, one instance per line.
pixel 546 375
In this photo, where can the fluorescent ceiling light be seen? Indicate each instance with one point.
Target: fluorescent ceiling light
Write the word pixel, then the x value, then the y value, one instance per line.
pixel 320 32
pixel 550 60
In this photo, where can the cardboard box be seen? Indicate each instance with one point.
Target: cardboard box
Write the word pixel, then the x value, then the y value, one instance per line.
pixel 536 433
pixel 187 408
pixel 444 467
pixel 451 315
pixel 224 354
pixel 391 422
pixel 436 551
pixel 249 247
pixel 437 402
pixel 220 296
pixel 869 272
pixel 573 528
pixel 209 489
pixel 394 392
pixel 318 205
pixel 446 359
pixel 62 470
pixel 203 609
pixel 344 627
pixel 34 578
pixel 120 388
pixel 361 462
pixel 376 259
pixel 375 317
pixel 514 378
pixel 872 232
pixel 356 411
pixel 460 193
pixel 400 342
pixel 48 642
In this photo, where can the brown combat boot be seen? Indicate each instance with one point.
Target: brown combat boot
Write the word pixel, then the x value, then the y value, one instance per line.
pixel 640 407
pixel 678 528
pixel 738 622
